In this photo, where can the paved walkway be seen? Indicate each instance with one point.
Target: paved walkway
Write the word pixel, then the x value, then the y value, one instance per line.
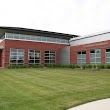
pixel 95 105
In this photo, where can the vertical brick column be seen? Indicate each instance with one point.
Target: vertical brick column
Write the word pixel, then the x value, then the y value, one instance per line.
pixel 103 55
pixel 87 56
pixel 26 57
pixel 73 57
pixel 42 57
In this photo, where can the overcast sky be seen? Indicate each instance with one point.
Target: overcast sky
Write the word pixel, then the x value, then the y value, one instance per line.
pixel 81 17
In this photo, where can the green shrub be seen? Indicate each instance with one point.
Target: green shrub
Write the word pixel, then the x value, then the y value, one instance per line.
pixel 77 66
pixel 102 66
pixel 84 66
pixel 72 66
pixel 89 66
pixel 94 66
pixel 107 66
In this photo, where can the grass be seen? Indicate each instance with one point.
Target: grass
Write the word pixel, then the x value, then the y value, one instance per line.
pixel 51 89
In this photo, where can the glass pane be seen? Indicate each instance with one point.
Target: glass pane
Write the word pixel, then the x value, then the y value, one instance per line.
pixel 13 57
pixel 28 37
pixel 33 38
pixel 92 55
pixel 78 56
pixel 31 50
pixel 46 51
pixel 107 54
pixel 46 54
pixel 31 55
pixel 20 57
pixel 37 55
pixel 21 53
pixel 98 55
pixel 78 61
pixel 13 53
pixel 9 36
pixel 13 50
pixel 22 37
pixel 79 52
pixel 108 60
pixel 49 39
pixel 52 52
pixel 13 61
pixel 53 39
pixel 16 36
pixel 38 38
pixel 46 57
pixel 97 51
pixel 31 61
pixel 37 61
pixel 98 59
pixel 84 52
pixel 44 38
pixel 83 55
pixel 84 60
pixel 92 60
pixel 52 61
pixel 108 50
pixel 20 50
pixel 92 51
pixel 20 61
pixel 46 61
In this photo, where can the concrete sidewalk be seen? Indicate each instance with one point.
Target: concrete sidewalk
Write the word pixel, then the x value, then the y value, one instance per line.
pixel 95 105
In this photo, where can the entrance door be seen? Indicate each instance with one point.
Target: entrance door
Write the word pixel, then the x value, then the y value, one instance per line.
pixel 0 58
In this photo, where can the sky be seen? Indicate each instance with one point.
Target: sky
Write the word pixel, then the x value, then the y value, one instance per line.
pixel 77 17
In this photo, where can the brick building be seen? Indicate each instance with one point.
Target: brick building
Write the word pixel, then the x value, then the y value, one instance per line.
pixel 29 46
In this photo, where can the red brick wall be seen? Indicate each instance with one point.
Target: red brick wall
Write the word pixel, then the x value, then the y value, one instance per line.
pixel 87 48
pixel 2 54
pixel 17 44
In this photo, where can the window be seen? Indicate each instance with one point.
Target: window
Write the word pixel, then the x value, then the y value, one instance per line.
pixel 49 57
pixel 108 55
pixel 95 56
pixel 81 57
pixel 33 57
pixel 16 56
pixel 36 38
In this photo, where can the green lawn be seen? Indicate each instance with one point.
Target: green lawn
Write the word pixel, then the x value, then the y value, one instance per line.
pixel 51 89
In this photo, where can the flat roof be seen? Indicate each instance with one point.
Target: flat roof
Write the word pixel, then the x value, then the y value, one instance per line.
pixel 91 35
pixel 20 30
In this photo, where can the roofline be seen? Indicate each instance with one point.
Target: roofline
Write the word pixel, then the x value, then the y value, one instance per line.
pixel 82 37
pixel 38 31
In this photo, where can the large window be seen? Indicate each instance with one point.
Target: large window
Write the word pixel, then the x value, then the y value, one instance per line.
pixel 108 55
pixel 49 57
pixel 95 56
pixel 81 57
pixel 33 57
pixel 16 56
pixel 36 38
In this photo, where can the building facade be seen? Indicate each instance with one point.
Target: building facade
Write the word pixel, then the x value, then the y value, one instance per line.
pixel 32 47
pixel 92 49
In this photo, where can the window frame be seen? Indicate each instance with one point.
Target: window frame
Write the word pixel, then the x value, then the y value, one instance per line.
pixel 17 56
pixel 49 58
pixel 34 57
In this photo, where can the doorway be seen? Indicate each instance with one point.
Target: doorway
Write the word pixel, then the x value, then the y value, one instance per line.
pixel 0 57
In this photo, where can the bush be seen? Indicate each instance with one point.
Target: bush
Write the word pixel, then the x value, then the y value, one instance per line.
pixel 94 66
pixel 84 66
pixel 77 66
pixel 102 66
pixel 107 66
pixel 72 66
pixel 89 66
